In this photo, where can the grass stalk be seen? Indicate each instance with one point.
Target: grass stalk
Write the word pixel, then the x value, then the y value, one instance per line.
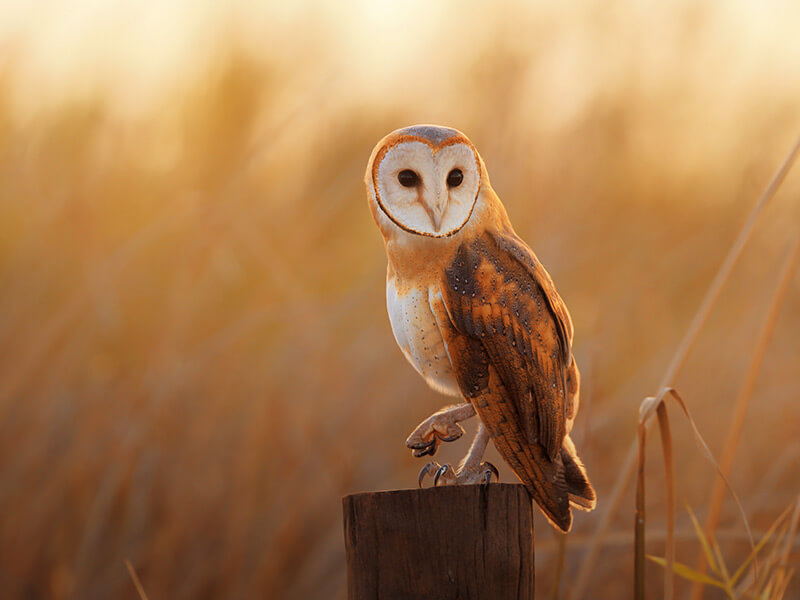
pixel 638 544
pixel 679 360
pixel 669 479
pixel 136 582
pixel 743 402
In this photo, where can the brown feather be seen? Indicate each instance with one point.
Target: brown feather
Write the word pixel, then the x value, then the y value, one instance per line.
pixel 506 337
pixel 508 302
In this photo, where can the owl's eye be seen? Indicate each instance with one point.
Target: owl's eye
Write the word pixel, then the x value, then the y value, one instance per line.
pixel 454 178
pixel 408 178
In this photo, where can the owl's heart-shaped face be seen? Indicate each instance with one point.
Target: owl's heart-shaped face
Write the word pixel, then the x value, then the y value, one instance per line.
pixel 424 187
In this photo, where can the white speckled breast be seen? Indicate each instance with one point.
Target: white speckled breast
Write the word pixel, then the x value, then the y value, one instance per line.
pixel 417 333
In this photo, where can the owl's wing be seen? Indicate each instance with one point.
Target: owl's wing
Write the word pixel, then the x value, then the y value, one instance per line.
pixel 499 296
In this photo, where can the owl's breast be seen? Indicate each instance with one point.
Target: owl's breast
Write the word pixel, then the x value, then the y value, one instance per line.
pixel 417 333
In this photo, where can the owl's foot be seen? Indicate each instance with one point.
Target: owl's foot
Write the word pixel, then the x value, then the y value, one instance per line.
pixel 440 427
pixel 426 437
pixel 464 475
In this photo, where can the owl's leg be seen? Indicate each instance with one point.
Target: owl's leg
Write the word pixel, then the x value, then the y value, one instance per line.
pixel 442 426
pixel 472 469
pixel 474 458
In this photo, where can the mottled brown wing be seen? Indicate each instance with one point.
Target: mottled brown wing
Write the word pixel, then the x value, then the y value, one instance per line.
pixel 497 293
pixel 544 479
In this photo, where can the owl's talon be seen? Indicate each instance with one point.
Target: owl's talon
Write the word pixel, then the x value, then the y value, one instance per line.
pixel 447 474
pixel 441 427
pixel 489 470
pixel 426 470
pixel 424 448
pixel 428 450
pixel 421 445
pixel 442 470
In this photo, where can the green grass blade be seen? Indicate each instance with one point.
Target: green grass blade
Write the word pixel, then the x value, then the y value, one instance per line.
pixel 703 542
pixel 687 572
pixel 726 577
pixel 757 548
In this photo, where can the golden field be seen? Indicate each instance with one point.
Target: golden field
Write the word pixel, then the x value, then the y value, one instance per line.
pixel 195 357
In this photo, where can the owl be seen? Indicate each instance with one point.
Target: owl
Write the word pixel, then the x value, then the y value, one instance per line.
pixel 476 314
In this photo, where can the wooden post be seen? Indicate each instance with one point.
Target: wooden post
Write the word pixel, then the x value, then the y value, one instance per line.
pixel 454 542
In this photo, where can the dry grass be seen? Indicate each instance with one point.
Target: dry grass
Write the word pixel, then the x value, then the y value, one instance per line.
pixel 655 405
pixel 717 495
pixel 196 361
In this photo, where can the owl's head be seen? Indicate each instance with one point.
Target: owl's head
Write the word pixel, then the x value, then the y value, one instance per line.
pixel 425 179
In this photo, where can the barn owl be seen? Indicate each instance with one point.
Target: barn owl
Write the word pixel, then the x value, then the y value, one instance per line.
pixel 477 315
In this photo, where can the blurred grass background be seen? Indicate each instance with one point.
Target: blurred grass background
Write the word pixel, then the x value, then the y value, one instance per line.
pixel 195 358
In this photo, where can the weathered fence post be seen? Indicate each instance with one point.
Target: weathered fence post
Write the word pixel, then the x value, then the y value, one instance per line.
pixel 455 542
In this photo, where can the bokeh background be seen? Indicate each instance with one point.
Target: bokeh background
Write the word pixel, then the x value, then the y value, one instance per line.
pixel 195 358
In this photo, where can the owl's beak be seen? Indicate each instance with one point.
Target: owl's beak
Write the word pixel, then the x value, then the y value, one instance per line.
pixel 435 211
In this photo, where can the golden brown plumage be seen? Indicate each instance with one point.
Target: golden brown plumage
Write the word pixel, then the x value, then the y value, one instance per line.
pixel 478 316
pixel 514 363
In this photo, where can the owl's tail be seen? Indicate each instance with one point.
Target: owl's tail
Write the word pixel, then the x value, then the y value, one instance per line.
pixel 556 484
pixel 546 480
pixel 579 489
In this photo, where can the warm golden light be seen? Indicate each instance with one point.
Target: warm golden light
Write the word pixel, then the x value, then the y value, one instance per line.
pixel 196 361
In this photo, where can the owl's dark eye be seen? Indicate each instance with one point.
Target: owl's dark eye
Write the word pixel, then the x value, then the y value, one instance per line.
pixel 408 178
pixel 454 178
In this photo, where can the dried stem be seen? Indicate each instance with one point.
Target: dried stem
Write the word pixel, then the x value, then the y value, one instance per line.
pixel 669 479
pixel 638 544
pixel 679 360
pixel 743 402
pixel 136 582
